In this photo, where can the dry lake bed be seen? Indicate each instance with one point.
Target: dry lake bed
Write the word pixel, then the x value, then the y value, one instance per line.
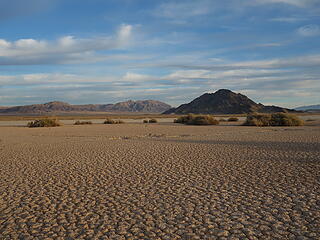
pixel 160 181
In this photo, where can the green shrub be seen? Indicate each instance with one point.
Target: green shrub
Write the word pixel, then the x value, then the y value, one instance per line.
pixel 82 122
pixel 46 122
pixel 275 119
pixel 233 119
pixel 111 121
pixel 153 120
pixel 145 121
pixel 197 120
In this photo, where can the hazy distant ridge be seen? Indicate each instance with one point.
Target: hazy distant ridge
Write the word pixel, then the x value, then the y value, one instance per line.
pixel 144 106
pixel 309 108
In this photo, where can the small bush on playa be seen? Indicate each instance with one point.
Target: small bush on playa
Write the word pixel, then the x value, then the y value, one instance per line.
pixel 233 119
pixel 47 122
pixel 310 120
pixel 275 119
pixel 111 121
pixel 82 123
pixel 258 119
pixel 285 119
pixel 153 120
pixel 197 120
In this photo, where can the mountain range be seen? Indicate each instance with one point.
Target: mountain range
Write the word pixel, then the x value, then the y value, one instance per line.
pixel 309 108
pixel 224 101
pixel 144 106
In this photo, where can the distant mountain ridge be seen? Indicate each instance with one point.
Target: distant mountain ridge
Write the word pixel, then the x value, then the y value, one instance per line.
pixel 224 101
pixel 144 106
pixel 309 108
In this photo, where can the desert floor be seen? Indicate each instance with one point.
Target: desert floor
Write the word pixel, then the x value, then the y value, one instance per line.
pixel 160 181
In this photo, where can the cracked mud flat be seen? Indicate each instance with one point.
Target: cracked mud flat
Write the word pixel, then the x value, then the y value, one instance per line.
pixel 161 181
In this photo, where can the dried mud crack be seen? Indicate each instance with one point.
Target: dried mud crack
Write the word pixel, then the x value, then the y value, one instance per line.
pixel 163 182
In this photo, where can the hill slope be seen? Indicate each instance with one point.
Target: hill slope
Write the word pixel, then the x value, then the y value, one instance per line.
pixel 224 101
pixel 140 106
pixel 39 108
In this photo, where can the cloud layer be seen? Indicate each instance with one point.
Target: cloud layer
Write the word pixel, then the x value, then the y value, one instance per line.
pixel 66 49
pixel 282 80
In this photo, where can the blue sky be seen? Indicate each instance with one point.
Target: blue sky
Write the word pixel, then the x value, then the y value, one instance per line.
pixel 105 51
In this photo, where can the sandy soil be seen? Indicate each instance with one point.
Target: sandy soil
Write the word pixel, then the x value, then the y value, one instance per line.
pixel 160 181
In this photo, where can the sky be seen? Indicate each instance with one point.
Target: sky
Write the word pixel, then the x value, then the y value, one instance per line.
pixel 106 51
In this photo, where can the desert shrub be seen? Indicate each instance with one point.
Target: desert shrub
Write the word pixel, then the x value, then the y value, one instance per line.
pixel 145 121
pixel 222 120
pixel 111 121
pixel 285 119
pixel 233 119
pixel 197 120
pixel 310 120
pixel 275 119
pixel 258 119
pixel 184 119
pixel 82 123
pixel 153 120
pixel 46 122
pixel 204 120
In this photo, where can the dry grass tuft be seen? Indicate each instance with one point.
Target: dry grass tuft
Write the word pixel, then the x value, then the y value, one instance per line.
pixel 233 119
pixel 192 119
pixel 275 119
pixel 310 120
pixel 82 123
pixel 153 120
pixel 46 122
pixel 111 121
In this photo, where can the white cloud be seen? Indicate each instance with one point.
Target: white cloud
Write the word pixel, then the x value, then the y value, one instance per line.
pixel 74 79
pixel 288 19
pixel 197 61
pixel 309 30
pixel 183 9
pixel 66 49
pixel 268 45
pixel 293 62
pixel 124 35
pixel 297 3
pixel 135 77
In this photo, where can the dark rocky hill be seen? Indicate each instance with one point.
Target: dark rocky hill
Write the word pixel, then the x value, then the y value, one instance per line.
pixel 224 101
